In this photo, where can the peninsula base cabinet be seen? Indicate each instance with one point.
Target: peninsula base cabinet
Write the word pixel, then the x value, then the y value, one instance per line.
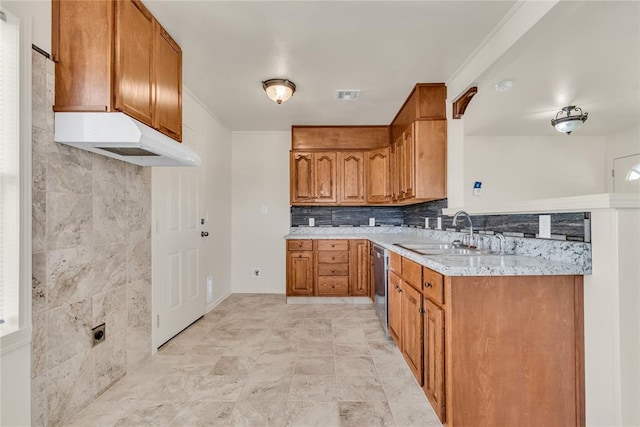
pixel 496 350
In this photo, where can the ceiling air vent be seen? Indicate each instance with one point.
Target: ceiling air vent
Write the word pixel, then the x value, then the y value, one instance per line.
pixel 348 95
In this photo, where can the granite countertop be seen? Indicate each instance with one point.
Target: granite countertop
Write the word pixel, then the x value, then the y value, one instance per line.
pixel 534 257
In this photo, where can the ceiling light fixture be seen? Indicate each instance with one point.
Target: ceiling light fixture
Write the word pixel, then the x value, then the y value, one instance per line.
pixel 279 90
pixel 568 123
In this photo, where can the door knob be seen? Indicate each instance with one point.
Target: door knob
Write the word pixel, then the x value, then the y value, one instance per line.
pixel 204 233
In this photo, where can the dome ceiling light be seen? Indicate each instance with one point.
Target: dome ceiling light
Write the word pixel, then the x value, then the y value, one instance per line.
pixel 567 123
pixel 279 90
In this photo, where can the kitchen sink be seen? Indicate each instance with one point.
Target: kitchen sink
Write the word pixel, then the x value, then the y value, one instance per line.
pixel 441 249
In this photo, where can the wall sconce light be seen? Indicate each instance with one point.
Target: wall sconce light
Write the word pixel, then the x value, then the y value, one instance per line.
pixel 279 90
pixel 567 123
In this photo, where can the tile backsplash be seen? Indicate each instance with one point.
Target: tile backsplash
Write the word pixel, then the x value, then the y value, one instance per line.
pixel 91 265
pixel 564 226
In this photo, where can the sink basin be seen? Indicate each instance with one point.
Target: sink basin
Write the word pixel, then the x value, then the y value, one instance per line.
pixel 441 249
pixel 421 246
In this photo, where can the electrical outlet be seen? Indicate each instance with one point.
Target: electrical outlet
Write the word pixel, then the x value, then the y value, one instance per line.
pixel 256 272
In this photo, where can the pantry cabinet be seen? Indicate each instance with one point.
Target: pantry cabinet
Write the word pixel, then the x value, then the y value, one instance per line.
pixel 114 56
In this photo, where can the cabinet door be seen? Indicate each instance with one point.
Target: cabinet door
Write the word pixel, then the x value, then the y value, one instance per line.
pixel 378 176
pixel 299 273
pixel 301 177
pixel 434 357
pixel 134 67
pixel 167 65
pixel 394 307
pixel 400 174
pixel 82 47
pixel 351 177
pixel 408 163
pixel 412 330
pixel 324 169
pixel 359 268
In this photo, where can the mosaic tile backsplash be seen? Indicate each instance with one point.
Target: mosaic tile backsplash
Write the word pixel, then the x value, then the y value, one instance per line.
pixel 564 226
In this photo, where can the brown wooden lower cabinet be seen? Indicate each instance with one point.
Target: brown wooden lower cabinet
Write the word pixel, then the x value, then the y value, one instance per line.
pixel 299 273
pixel 514 351
pixel 412 329
pixel 394 307
pixel 322 267
pixel 433 336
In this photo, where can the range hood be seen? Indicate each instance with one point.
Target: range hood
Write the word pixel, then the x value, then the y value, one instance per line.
pixel 122 137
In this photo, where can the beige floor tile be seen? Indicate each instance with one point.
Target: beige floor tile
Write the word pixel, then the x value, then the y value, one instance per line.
pixel 257 413
pixel 272 388
pixel 360 389
pixel 312 414
pixel 360 366
pixel 369 414
pixel 315 366
pixel 218 388
pixel 408 414
pixel 255 361
pixel 313 388
pixel 204 414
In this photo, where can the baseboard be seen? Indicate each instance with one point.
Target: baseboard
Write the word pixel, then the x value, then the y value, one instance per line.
pixel 217 302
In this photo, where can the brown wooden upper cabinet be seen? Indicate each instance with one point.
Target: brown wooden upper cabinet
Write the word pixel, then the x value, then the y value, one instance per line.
pixel 351 178
pixel 114 56
pixel 399 164
pixel 313 177
pixel 378 170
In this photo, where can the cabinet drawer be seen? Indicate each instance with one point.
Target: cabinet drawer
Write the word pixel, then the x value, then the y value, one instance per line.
pixel 300 245
pixel 333 269
pixel 433 285
pixel 412 273
pixel 328 285
pixel 333 245
pixel 395 263
pixel 333 257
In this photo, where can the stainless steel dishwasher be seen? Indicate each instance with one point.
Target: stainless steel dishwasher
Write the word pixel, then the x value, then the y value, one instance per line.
pixel 380 265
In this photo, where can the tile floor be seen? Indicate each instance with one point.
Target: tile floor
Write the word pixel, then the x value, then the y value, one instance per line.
pixel 256 361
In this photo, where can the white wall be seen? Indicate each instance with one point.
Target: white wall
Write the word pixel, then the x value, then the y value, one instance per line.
pixel 40 13
pixel 621 144
pixel 15 390
pixel 260 177
pixel 216 167
pixel 612 320
pixel 530 168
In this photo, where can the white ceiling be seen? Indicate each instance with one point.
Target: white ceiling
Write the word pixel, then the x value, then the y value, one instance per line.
pixel 583 53
pixel 382 48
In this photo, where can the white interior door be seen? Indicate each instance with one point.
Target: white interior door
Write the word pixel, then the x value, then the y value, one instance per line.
pixel 626 174
pixel 179 289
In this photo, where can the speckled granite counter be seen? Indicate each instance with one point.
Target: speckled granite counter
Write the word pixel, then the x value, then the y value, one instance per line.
pixel 527 257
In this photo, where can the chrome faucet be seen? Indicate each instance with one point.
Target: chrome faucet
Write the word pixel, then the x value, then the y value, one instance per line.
pixel 455 218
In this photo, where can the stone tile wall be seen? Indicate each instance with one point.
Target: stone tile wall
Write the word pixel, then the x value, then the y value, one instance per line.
pixel 91 265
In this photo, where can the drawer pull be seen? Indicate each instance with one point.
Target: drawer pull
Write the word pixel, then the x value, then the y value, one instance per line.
pixel 333 258
pixel 333 246
pixel 428 285
pixel 333 270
